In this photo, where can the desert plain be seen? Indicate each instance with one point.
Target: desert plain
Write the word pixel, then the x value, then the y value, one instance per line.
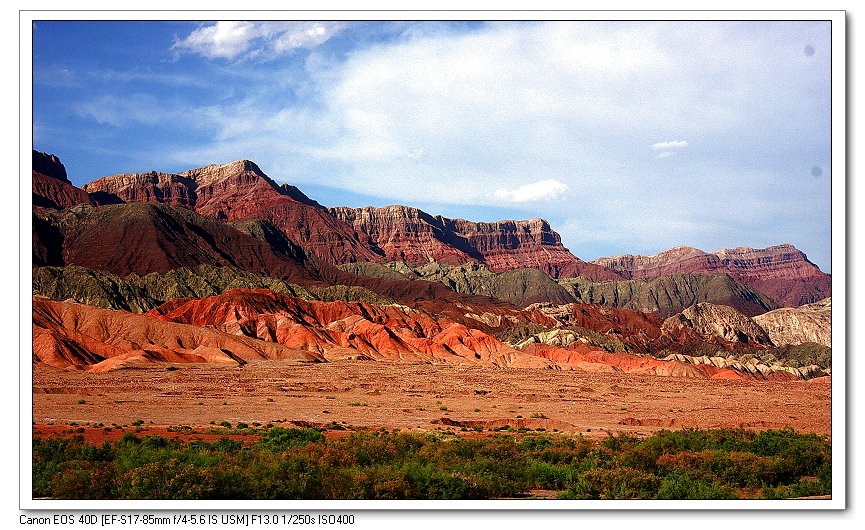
pixel 363 395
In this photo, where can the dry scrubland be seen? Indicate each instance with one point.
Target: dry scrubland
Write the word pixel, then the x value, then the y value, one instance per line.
pixel 363 430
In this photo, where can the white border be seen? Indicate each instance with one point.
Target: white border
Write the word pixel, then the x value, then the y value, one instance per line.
pixel 839 342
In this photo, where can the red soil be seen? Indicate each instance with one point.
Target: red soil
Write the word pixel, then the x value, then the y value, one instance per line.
pixel 372 395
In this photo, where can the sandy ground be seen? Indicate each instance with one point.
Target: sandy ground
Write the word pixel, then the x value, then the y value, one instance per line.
pixel 360 395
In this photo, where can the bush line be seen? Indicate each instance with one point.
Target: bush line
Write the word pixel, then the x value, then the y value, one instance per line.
pixel 303 464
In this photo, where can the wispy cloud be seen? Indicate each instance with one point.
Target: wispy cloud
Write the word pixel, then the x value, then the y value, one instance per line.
pixel 123 111
pixel 665 154
pixel 673 144
pixel 142 76
pixel 536 191
pixel 235 40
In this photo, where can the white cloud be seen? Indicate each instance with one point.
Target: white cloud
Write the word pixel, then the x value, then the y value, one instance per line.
pixel 225 39
pixel 537 191
pixel 673 144
pixel 305 35
pixel 261 40
pixel 488 106
pixel 447 117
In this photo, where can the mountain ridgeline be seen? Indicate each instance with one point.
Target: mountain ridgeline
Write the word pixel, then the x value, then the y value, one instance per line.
pixel 467 256
pixel 241 193
pixel 151 243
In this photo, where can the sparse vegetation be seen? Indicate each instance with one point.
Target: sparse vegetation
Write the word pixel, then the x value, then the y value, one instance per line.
pixel 594 338
pixel 290 463
pixel 180 428
pixel 345 293
pixel 520 332
pixel 797 355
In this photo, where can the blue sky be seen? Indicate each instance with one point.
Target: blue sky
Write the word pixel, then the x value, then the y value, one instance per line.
pixel 629 137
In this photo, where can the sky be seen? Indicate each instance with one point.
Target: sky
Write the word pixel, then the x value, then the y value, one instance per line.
pixel 628 137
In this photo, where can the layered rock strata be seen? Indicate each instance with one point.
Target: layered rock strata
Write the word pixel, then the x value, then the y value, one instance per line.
pixel 782 272
pixel 51 186
pixel 719 321
pixel 799 325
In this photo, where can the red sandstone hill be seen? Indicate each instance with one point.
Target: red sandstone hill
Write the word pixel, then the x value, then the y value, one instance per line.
pixel 240 190
pixel 340 329
pixel 416 237
pixel 782 272
pixel 243 326
pixel 237 191
pixel 233 215
pixel 250 325
pixel 639 332
pixel 67 334
pixel 51 186
pixel 142 238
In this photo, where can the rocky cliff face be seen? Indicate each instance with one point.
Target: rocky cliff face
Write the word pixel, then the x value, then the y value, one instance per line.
pixel 210 190
pixel 677 260
pixel 412 236
pixel 782 272
pixel 531 244
pixel 50 166
pixel 407 234
pixel 144 187
pixel 719 321
pixel 808 323
pixel 780 261
pixel 51 186
pixel 240 191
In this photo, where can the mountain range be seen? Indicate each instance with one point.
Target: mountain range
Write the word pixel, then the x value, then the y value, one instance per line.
pixel 227 234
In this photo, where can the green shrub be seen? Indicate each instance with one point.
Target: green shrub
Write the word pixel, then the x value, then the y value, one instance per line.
pixel 170 479
pixel 801 488
pixel 620 483
pixel 282 439
pixel 84 480
pixel 682 485
pixel 292 463
pixel 542 475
